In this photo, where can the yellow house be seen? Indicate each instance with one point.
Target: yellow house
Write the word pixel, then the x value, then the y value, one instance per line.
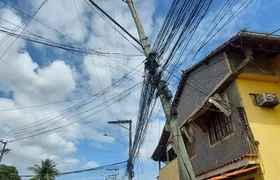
pixel 264 122
pixel 229 113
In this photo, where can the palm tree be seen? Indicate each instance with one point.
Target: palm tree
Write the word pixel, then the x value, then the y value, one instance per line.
pixel 47 170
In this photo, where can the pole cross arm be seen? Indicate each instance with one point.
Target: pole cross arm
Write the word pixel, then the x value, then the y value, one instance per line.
pixel 119 122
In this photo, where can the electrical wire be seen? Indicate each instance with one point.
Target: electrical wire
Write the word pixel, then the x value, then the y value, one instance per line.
pixel 119 165
pixel 101 13
pixel 55 30
pixel 112 101
pixel 98 79
pixel 174 37
pixel 26 22
pixel 72 108
pixel 71 49
pixel 40 125
pixel 45 104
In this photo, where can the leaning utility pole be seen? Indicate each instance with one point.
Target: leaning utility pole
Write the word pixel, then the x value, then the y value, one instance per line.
pixel 130 165
pixel 165 95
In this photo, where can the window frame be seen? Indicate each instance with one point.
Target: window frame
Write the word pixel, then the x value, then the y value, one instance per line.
pixel 219 126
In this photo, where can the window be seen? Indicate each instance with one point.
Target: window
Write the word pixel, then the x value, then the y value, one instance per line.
pixel 219 126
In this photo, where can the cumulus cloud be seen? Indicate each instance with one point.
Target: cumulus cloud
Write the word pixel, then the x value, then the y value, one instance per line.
pixel 91 164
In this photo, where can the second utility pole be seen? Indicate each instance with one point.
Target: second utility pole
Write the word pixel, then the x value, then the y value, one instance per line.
pixel 4 150
pixel 165 95
pixel 130 164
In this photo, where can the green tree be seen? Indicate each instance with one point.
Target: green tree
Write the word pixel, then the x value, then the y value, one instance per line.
pixel 9 173
pixel 47 170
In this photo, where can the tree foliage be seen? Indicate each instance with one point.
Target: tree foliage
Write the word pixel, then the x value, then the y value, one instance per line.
pixel 9 173
pixel 46 171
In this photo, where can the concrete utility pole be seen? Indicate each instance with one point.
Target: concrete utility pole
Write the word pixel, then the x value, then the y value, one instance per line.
pixel 115 173
pixel 143 38
pixel 113 176
pixel 165 95
pixel 130 165
pixel 4 149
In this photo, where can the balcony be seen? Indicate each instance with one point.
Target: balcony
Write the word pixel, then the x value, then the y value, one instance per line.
pixel 170 171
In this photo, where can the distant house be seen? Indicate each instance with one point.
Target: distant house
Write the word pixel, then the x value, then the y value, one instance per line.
pixel 230 128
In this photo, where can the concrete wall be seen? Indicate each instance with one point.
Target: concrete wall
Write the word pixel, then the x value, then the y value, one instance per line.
pixel 264 122
pixel 210 75
pixel 205 77
pixel 231 147
pixel 170 171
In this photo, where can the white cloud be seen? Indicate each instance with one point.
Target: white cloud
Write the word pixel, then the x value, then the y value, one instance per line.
pixel 68 163
pixel 91 164
pixel 53 140
pixel 62 16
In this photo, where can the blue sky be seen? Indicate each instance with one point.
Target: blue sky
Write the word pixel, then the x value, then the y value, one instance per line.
pixel 32 74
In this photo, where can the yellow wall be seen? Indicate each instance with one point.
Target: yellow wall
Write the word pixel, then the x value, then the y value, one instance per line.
pixel 170 171
pixel 264 122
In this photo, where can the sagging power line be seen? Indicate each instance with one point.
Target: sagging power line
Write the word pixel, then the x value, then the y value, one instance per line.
pixel 114 165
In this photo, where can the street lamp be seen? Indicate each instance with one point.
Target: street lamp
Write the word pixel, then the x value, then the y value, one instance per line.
pixel 107 135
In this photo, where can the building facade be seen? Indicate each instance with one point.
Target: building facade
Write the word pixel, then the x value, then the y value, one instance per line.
pixel 227 134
